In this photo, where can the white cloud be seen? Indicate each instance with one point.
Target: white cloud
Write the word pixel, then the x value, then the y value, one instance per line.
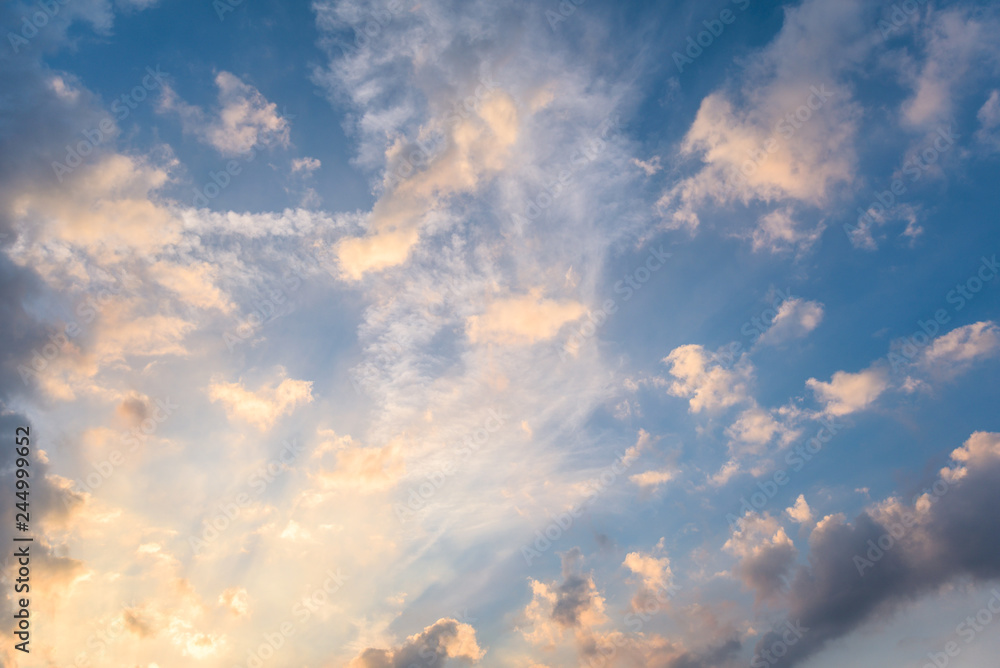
pixel 989 120
pixel 652 478
pixel 850 392
pixel 654 572
pixel 800 511
pixel 779 231
pixel 796 318
pixel 307 165
pixel 263 407
pixel 957 46
pixel 706 386
pixel 957 350
pixel 522 319
pixel 755 428
pixel 761 150
pixel 357 468
pixel 243 121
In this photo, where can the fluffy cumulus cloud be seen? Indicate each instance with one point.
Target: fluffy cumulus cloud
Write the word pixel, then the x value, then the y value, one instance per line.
pixel 800 511
pixel 756 428
pixel 847 393
pixel 790 138
pixel 796 318
pixel 574 605
pixel 706 385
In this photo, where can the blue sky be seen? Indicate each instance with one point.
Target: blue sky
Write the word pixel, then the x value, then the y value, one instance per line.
pixel 381 334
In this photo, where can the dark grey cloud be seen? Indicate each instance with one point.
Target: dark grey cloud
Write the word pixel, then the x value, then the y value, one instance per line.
pixel 445 640
pixel 957 537
pixel 764 572
pixel 722 654
pixel 574 593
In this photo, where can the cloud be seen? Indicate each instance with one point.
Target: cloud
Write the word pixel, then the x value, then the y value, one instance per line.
pixel 765 554
pixel 236 600
pixel 936 539
pixel 786 133
pixel 652 478
pixel 957 47
pixel 261 408
pixel 650 167
pixel 800 511
pixel 194 284
pixel 755 428
pixel 445 640
pixel 957 350
pixel 780 230
pixel 244 118
pixel 106 207
pixel 475 148
pixel 574 605
pixel 358 468
pixel 654 572
pixel 707 387
pixel 523 319
pixel 848 393
pixel 307 165
pixel 989 120
pixel 796 318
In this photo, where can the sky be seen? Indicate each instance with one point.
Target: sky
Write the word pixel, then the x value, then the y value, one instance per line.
pixel 425 333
